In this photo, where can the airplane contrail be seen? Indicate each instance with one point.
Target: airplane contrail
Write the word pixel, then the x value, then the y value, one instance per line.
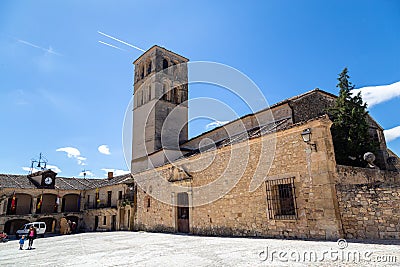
pixel 112 45
pixel 118 40
pixel 48 50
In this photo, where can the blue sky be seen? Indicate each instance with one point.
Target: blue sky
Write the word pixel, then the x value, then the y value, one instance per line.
pixel 60 88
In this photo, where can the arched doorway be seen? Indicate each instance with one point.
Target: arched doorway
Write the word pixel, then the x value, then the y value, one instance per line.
pixel 70 203
pixel 183 212
pixel 12 226
pixel 50 224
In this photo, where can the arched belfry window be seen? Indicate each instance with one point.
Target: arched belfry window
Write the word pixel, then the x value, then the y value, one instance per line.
pixel 149 68
pixel 171 95
pixel 165 91
pixel 165 63
pixel 177 94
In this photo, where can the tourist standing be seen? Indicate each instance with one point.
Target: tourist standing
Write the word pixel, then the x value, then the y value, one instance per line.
pixel 31 236
pixel 21 242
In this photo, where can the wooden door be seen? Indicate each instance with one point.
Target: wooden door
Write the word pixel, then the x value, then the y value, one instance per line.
pixel 183 213
pixel 96 222
pixel 113 222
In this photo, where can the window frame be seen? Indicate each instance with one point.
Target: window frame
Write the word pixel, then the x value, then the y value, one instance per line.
pixel 275 189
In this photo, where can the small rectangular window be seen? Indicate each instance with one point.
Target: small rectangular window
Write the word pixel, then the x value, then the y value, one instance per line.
pixel 119 195
pixel 281 199
pixel 104 220
pixel 109 198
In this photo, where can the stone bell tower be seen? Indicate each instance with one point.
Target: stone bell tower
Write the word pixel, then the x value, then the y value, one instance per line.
pixel 160 111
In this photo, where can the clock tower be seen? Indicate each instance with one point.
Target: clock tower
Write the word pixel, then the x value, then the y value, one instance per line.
pixel 43 179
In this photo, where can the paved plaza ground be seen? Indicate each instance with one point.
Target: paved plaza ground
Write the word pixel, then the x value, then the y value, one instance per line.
pixel 156 249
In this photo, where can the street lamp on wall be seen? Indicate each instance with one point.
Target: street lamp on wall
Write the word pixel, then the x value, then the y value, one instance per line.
pixel 306 135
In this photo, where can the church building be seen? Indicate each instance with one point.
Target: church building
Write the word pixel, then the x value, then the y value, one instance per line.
pixel 272 173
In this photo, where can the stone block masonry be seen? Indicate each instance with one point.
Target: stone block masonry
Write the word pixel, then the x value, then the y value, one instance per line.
pixel 370 211
pixel 241 212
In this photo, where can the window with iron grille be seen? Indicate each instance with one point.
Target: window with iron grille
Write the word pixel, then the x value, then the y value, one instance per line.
pixel 281 198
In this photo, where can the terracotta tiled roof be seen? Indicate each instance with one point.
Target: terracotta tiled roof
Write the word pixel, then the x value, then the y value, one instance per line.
pixel 97 183
pixel 15 181
pixel 62 183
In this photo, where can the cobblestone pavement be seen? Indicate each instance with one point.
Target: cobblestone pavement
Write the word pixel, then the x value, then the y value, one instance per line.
pixel 155 249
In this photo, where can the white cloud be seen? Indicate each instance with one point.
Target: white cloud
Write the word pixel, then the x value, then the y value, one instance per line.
pixel 28 169
pixel 49 167
pixel 104 149
pixel 88 173
pixel 53 168
pixel 73 152
pixel 377 94
pixel 115 171
pixel 215 124
pixel 81 160
pixel 392 134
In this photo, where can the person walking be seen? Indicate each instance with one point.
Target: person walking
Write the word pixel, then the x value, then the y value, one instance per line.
pixel 31 236
pixel 21 242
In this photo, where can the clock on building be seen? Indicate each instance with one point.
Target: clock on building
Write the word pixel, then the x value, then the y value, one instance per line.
pixel 48 180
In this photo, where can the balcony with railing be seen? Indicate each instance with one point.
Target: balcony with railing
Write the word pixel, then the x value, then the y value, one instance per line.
pixel 99 205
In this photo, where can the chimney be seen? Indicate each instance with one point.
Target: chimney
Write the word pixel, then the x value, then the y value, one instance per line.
pixel 110 175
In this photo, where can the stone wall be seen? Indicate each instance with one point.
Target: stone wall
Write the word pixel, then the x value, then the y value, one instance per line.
pixel 153 215
pixel 242 211
pixel 370 211
pixel 311 106
pixel 356 175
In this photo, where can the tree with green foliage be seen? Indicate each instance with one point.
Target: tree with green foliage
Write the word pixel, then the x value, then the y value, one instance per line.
pixel 350 127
